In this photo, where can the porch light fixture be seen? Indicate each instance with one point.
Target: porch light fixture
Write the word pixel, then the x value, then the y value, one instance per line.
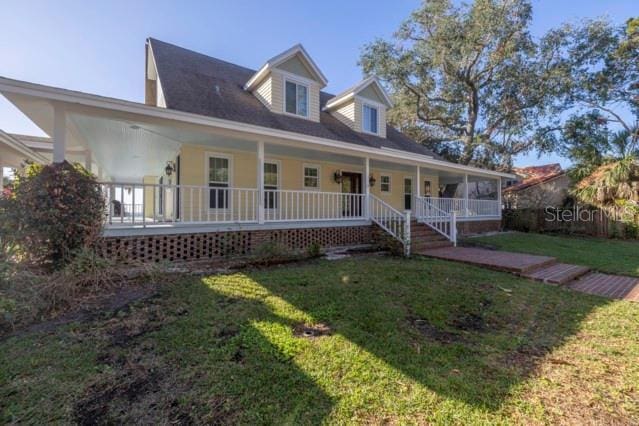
pixel 170 168
pixel 337 176
pixel 371 180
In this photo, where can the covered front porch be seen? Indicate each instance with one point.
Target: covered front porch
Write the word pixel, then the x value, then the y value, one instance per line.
pixel 166 172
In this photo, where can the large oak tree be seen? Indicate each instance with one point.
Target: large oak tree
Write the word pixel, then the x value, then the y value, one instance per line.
pixel 471 82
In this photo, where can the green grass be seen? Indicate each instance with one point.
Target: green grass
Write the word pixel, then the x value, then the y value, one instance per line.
pixel 605 255
pixel 488 348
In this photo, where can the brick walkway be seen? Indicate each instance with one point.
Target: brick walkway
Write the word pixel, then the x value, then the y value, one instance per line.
pixel 545 269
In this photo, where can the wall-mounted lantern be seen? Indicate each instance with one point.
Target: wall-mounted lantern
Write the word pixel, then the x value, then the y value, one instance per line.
pixel 170 168
pixel 371 180
pixel 337 176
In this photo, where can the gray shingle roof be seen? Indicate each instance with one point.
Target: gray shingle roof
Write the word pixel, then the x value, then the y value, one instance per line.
pixel 200 84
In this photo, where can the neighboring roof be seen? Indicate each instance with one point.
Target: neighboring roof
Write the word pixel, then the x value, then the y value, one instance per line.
pixel 298 49
pixel 199 84
pixel 534 175
pixel 17 145
pixel 354 90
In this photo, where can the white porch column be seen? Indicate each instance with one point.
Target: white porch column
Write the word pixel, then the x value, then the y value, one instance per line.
pixel 499 196
pixel 418 193
pixel 467 213
pixel 260 182
pixel 367 186
pixel 59 133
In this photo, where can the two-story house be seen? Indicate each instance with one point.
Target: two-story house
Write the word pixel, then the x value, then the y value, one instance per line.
pixel 220 158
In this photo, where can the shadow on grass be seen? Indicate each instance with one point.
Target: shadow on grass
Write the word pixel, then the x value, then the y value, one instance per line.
pixel 222 349
pixel 467 334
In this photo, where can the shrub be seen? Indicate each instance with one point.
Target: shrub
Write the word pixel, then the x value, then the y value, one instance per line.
pixel 53 211
pixel 314 250
pixel 272 251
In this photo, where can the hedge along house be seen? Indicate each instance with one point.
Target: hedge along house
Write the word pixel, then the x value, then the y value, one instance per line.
pixel 221 158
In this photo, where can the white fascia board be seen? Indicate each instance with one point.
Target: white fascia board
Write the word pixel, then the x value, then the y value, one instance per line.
pixel 340 99
pixel 283 57
pixel 119 105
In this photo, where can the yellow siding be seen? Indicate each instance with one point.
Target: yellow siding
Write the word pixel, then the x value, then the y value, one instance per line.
pixel 244 175
pixel 382 122
pixel 277 96
pixel 148 195
pixel 277 92
pixel 263 92
pixel 381 112
pixel 358 115
pixel 346 114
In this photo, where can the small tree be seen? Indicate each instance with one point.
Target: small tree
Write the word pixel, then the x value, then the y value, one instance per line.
pixel 53 211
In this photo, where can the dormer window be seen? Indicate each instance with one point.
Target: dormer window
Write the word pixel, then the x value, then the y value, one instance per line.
pixel 369 119
pixel 296 98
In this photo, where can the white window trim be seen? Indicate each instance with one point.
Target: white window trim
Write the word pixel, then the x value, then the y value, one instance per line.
pixel 208 155
pixel 319 176
pixel 390 183
pixel 373 106
pixel 412 190
pixel 279 177
pixel 298 82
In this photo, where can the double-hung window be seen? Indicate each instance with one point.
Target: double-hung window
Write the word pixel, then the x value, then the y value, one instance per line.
pixel 385 183
pixel 271 184
pixel 369 121
pixel 219 182
pixel 296 98
pixel 311 177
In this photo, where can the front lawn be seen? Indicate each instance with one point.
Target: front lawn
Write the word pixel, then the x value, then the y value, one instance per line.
pixel 605 255
pixel 360 340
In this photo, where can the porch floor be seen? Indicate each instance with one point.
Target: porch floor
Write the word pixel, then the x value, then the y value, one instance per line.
pixel 545 269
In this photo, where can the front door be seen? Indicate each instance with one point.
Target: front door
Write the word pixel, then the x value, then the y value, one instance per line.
pixel 351 184
pixel 408 193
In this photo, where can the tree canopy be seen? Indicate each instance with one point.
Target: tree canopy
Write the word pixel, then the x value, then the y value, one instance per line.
pixel 471 82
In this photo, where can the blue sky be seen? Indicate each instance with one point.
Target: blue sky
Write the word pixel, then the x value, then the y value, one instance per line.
pixel 98 47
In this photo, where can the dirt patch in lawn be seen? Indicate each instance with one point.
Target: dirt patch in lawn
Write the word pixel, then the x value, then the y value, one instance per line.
pixel 137 384
pixel 433 332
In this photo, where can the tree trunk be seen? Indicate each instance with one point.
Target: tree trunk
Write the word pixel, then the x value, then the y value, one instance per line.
pixel 469 137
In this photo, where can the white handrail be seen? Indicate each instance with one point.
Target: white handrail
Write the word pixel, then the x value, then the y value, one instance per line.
pixel 441 221
pixel 157 204
pixel 467 208
pixel 391 220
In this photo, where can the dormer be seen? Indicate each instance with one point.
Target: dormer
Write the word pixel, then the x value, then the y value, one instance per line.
pixel 289 83
pixel 362 107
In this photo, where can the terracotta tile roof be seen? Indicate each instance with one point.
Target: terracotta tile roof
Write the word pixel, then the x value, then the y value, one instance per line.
pixel 196 83
pixel 534 175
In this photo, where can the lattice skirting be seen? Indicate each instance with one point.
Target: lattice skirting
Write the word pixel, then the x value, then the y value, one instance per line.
pixel 211 245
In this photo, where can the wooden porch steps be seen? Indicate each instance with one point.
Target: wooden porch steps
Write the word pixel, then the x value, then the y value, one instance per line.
pixel 423 237
pixel 544 269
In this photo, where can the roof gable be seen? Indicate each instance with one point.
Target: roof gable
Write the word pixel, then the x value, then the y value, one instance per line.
pixel 284 59
pixel 372 93
pixel 371 88
pixel 296 66
pixel 200 84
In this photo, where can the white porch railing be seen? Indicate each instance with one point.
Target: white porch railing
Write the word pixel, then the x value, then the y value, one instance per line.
pixel 391 220
pixel 441 221
pixel 466 208
pixel 153 204
pixel 286 205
